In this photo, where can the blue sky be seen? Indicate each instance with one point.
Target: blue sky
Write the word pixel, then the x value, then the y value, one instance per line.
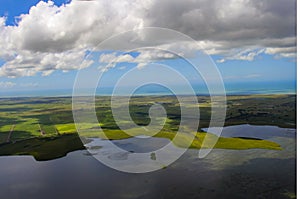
pixel 13 8
pixel 268 59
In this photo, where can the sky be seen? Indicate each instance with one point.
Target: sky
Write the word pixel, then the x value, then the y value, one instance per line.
pixel 44 43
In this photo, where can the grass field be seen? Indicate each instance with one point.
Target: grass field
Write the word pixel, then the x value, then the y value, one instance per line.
pixel 34 125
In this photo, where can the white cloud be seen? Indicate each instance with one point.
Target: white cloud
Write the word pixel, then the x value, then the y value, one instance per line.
pixel 53 38
pixel 5 85
pixel 113 57
pixel 153 55
pixel 289 52
pixel 146 56
pixel 221 60
pixel 286 55
pixel 27 63
pixel 245 55
pixel 141 65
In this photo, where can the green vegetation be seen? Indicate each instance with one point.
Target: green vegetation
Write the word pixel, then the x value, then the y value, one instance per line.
pixel 43 148
pixel 196 140
pixel 291 195
pixel 47 148
pixel 44 127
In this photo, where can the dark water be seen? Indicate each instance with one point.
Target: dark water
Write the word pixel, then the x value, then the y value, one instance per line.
pixel 252 173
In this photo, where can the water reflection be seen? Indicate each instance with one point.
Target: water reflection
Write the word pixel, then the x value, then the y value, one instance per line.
pixel 222 174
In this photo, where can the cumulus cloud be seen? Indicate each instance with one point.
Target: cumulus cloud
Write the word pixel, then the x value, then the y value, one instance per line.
pixel 245 55
pixel 27 63
pixel 144 57
pixel 113 57
pixel 110 60
pixel 53 38
pixel 288 52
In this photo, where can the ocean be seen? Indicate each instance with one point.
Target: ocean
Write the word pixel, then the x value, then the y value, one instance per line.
pixel 240 88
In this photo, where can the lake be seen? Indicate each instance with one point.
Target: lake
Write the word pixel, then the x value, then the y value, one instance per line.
pixel 255 173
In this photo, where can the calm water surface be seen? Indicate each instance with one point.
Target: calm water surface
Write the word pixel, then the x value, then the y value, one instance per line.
pixel 254 173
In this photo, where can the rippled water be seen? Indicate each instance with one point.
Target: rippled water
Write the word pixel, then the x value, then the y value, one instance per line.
pixel 222 174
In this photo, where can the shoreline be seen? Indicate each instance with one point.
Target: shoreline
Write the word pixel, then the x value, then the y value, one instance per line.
pixel 42 154
pixel 151 95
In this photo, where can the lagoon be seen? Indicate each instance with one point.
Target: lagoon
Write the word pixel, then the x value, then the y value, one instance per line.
pixel 222 174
